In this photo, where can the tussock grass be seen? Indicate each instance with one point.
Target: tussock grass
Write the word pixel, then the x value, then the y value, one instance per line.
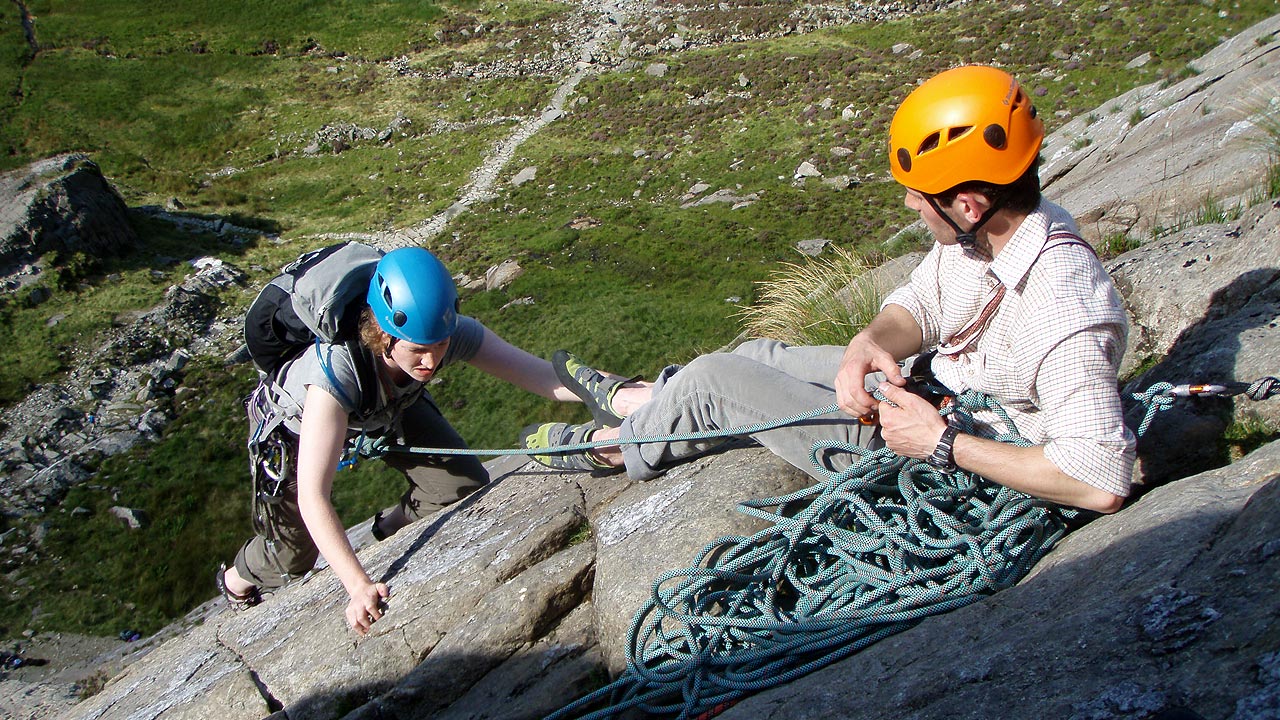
pixel 823 301
pixel 1262 108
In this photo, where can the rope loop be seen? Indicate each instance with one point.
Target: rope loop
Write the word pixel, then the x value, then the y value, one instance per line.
pixel 870 550
pixel 1263 388
pixel 1156 398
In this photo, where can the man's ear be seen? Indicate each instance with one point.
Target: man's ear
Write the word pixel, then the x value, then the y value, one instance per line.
pixel 972 205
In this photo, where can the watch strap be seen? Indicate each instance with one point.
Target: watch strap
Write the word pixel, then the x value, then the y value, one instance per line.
pixel 943 456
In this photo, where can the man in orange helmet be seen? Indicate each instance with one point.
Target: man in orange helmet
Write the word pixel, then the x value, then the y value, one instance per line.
pixel 1009 302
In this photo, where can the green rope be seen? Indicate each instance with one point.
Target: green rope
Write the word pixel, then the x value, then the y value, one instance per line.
pixel 1159 396
pixel 590 445
pixel 878 547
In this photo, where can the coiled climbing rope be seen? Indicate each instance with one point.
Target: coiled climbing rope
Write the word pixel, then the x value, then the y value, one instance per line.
pixel 874 549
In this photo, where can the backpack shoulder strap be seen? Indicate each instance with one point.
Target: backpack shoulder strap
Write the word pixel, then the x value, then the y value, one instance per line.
pixel 366 378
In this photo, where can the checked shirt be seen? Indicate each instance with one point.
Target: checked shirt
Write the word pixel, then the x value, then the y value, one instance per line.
pixel 1048 348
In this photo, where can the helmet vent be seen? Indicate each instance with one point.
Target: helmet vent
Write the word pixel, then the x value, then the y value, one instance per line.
pixel 995 136
pixel 904 159
pixel 956 132
pixel 929 143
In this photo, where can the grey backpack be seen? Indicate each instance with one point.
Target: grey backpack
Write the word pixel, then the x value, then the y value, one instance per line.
pixel 317 298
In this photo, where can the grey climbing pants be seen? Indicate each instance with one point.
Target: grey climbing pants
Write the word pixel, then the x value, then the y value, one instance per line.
pixel 760 381
pixel 283 548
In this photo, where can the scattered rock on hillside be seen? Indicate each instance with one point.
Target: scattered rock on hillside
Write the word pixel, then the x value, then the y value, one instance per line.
pixel 723 196
pixel 62 204
pixel 524 176
pixel 132 518
pixel 501 275
pixel 124 390
pixel 806 169
pixel 812 247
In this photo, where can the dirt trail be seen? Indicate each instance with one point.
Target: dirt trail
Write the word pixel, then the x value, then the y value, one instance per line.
pixel 602 24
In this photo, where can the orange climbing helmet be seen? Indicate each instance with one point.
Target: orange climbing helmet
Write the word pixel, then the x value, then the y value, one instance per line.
pixel 964 124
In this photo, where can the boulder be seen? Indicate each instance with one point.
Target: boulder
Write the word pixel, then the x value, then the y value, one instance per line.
pixel 1121 177
pixel 1204 274
pixel 62 204
pixel 650 524
pixel 501 275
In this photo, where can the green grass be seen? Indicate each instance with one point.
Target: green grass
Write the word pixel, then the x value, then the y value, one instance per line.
pixel 1116 244
pixel 1271 186
pixel 165 99
pixel 121 28
pixel 193 486
pixel 1244 436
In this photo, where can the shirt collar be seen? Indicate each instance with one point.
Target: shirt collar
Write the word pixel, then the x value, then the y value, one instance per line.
pixel 1023 249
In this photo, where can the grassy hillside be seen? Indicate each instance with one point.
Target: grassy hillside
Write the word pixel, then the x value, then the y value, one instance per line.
pixel 223 109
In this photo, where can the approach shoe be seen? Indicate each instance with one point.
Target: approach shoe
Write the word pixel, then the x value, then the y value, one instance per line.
pixel 547 436
pixel 593 387
pixel 234 601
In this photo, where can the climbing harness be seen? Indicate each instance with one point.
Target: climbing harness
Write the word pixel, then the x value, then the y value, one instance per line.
pixel 272 452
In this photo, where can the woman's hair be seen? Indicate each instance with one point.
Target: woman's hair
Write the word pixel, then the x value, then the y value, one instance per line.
pixel 1021 195
pixel 372 335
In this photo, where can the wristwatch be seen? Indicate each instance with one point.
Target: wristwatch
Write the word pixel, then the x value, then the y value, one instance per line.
pixel 942 457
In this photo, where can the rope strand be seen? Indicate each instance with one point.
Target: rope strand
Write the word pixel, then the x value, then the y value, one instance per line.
pixel 877 547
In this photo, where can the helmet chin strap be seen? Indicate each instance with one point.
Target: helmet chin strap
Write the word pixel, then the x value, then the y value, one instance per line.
pixel 966 239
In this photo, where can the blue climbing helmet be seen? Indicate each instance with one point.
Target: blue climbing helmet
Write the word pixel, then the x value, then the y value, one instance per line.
pixel 413 296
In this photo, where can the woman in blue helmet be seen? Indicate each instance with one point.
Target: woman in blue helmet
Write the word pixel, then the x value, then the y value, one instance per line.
pixel 409 331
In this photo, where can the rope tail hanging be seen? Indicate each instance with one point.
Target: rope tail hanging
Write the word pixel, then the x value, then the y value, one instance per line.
pixel 877 548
